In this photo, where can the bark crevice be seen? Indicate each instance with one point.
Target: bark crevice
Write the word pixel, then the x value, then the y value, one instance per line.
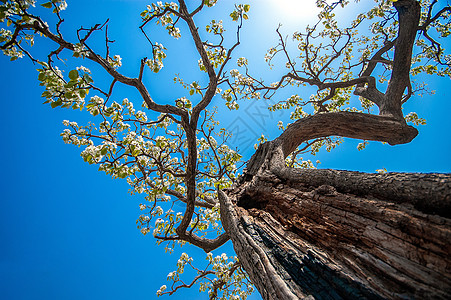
pixel 329 234
pixel 326 244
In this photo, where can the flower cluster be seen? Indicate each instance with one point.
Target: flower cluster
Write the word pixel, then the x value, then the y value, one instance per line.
pixel 115 62
pixel 156 64
pixel 60 92
pixel 80 50
pixel 215 27
pixel 149 151
pixel 164 14
pixel 223 278
pixel 210 3
pixel 215 55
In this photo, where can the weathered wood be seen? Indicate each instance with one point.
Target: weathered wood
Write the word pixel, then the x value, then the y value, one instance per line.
pixel 427 192
pixel 296 240
pixel 327 234
pixel 346 124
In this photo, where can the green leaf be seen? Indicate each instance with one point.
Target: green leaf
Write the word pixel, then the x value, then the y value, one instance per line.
pixel 68 95
pixel 41 76
pixel 47 5
pixel 71 84
pixel 234 15
pixel 87 78
pixel 56 103
pixel 246 7
pixel 46 94
pixel 73 75
pixel 82 93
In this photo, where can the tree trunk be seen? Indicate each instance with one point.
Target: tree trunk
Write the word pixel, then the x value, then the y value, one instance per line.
pixel 325 234
pixel 328 234
pixel 340 235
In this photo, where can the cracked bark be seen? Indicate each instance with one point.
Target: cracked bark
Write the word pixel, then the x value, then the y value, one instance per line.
pixel 298 239
pixel 328 234
pixel 332 234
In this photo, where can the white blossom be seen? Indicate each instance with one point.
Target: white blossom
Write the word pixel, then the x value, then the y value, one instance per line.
pixel 115 62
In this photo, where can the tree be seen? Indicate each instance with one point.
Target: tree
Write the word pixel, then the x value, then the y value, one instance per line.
pixel 297 232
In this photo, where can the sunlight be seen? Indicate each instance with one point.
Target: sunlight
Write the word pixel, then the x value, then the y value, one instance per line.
pixel 295 10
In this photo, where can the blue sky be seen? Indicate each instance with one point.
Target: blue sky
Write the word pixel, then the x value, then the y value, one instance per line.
pixel 68 231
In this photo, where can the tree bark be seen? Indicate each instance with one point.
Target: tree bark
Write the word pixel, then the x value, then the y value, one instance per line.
pixel 301 238
pixel 328 234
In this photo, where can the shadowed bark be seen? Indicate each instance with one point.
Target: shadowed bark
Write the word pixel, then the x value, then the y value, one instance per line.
pixel 334 234
pixel 322 234
pixel 328 234
pixel 297 239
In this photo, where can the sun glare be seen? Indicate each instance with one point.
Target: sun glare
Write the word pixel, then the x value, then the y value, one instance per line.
pixel 295 10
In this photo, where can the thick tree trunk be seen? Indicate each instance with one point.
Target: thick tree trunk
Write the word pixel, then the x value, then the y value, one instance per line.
pixel 328 234
pixel 298 237
pixel 325 234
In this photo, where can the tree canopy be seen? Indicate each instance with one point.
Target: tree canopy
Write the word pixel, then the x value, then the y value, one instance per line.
pixel 174 153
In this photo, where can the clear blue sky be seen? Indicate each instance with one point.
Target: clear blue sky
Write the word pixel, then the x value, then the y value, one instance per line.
pixel 68 231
